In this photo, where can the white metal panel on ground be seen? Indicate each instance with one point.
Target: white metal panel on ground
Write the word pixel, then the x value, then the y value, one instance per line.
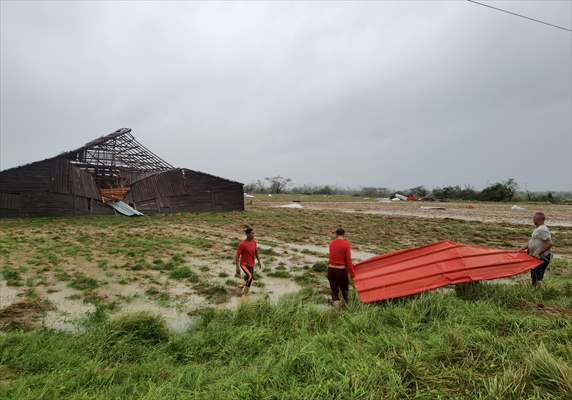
pixel 124 208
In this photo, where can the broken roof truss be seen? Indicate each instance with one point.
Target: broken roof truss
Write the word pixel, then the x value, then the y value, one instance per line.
pixel 110 156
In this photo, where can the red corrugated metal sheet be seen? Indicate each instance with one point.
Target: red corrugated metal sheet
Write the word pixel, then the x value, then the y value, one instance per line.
pixel 406 272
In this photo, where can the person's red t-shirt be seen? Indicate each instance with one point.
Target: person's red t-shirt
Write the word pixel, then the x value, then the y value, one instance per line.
pixel 246 251
pixel 341 254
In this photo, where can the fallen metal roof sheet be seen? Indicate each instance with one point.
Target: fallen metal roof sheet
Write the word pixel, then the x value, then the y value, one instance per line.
pixel 124 208
pixel 410 271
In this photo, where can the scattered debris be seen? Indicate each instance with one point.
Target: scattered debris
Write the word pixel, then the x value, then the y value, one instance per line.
pixel 269 195
pixel 384 200
pixel 400 197
pixel 515 207
pixel 396 199
pixel 470 206
pixel 291 205
pixel 432 208
pixel 124 208
pixel 248 195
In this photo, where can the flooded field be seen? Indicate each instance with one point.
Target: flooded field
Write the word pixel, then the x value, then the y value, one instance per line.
pixel 61 273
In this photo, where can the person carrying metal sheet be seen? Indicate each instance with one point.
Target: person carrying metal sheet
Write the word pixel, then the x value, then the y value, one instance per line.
pixel 244 259
pixel 539 246
pixel 339 266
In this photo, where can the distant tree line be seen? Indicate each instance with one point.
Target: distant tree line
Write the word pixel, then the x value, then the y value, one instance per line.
pixel 500 191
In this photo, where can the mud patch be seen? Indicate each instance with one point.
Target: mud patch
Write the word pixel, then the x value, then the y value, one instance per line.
pixel 23 315
pixel 549 309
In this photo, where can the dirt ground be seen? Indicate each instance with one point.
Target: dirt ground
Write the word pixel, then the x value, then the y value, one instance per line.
pixel 557 215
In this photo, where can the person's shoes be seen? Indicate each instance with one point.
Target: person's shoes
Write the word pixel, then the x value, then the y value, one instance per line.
pixel 245 290
pixel 337 305
pixel 539 285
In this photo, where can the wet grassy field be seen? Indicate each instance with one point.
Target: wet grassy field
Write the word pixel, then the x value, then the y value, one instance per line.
pixel 110 307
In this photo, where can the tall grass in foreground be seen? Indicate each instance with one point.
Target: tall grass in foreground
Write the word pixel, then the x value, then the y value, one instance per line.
pixel 433 346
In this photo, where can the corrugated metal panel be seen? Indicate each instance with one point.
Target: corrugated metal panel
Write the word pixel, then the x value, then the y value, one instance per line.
pixel 407 272
pixel 124 208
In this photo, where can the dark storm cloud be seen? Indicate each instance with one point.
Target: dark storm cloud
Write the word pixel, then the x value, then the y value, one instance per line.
pixel 388 94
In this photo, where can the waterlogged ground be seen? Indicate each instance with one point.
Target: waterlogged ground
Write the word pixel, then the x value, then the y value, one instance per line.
pixel 92 277
pixel 173 268
pixel 177 265
pixel 488 212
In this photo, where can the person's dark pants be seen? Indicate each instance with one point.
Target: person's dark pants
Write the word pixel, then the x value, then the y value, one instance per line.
pixel 338 282
pixel 537 274
pixel 248 274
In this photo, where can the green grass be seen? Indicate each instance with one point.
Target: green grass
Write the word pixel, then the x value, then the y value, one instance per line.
pixel 432 346
pixel 184 273
pixel 83 282
pixel 216 293
pixel 481 341
pixel 288 197
pixel 12 276
pixel 279 274
pixel 320 266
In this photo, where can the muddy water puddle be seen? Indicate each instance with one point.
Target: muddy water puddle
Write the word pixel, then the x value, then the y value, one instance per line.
pixel 8 294
pixel 157 292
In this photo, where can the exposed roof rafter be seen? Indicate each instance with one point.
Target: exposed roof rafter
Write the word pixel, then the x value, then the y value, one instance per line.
pixel 109 155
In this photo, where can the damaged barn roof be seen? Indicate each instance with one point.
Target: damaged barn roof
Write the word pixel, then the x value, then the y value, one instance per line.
pixel 119 149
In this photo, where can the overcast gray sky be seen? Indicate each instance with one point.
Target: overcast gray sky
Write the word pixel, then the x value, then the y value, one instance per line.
pixel 386 93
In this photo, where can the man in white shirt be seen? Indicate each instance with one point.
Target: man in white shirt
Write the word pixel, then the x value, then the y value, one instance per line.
pixel 539 246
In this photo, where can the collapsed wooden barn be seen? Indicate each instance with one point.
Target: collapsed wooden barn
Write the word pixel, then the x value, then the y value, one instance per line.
pixel 110 174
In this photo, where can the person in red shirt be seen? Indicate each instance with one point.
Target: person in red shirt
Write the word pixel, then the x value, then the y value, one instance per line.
pixel 245 255
pixel 339 266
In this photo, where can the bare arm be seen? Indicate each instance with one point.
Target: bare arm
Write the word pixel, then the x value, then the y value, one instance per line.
pixel 349 263
pixel 258 258
pixel 237 262
pixel 547 245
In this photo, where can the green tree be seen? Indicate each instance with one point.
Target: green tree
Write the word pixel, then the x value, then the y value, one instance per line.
pixel 500 191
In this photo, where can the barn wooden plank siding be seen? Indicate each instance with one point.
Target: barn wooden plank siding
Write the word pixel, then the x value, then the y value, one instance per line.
pixel 182 189
pixel 70 184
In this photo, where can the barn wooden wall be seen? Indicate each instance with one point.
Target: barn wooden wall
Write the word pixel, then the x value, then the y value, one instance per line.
pixel 50 187
pixel 180 190
pixel 55 187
